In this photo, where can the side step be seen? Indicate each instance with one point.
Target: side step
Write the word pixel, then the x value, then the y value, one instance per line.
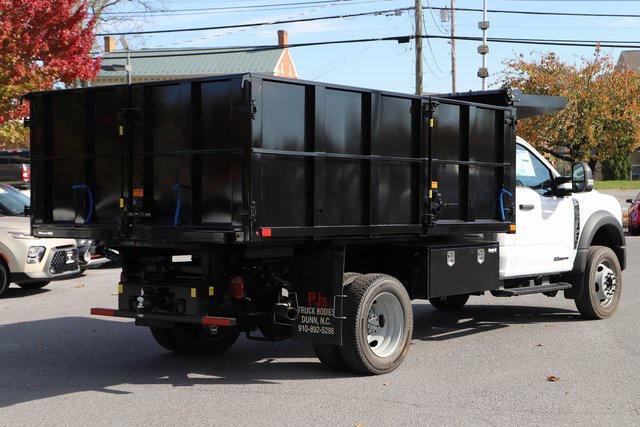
pixel 527 290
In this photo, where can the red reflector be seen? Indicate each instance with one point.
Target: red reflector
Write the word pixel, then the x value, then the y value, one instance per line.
pixel 103 312
pixel 218 321
pixel 236 287
pixel 266 232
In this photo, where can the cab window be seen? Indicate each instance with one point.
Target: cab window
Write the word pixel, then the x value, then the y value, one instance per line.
pixel 531 172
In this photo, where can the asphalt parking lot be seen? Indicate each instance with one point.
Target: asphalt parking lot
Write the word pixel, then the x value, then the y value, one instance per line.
pixel 488 364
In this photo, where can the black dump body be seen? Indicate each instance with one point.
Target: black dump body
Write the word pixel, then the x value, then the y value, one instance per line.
pixel 252 158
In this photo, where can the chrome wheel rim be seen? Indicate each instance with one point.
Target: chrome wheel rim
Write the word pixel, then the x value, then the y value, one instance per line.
pixel 385 324
pixel 606 283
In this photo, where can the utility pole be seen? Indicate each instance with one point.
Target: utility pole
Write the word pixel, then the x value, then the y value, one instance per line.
pixel 453 46
pixel 483 49
pixel 418 39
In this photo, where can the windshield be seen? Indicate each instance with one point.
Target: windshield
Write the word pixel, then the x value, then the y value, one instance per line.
pixel 12 202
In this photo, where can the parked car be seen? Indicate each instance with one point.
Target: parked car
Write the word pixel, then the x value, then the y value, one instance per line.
pixel 634 215
pixel 28 261
pixel 15 169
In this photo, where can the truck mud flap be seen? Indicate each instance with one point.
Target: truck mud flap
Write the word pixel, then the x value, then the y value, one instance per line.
pixel 318 283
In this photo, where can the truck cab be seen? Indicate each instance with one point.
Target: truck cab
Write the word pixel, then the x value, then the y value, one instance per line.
pixel 565 233
pixel 551 221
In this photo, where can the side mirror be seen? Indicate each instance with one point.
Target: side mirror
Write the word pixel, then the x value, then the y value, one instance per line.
pixel 562 186
pixel 581 177
pixel 27 210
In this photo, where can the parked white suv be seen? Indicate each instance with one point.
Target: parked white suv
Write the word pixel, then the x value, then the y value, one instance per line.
pixel 29 262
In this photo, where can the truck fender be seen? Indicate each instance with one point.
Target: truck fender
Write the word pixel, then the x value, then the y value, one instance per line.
pixel 609 233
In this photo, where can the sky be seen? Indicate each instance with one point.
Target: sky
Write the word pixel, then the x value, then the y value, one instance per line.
pixel 387 65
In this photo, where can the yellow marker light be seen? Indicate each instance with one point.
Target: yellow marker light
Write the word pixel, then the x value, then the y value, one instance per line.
pixel 434 185
pixel 120 130
pixel 121 203
pixel 211 291
pixel 512 228
pixel 194 292
pixel 120 288
pixel 430 194
pixel 431 122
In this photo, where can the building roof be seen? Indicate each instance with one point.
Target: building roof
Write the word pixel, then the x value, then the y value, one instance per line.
pixel 174 62
pixel 629 59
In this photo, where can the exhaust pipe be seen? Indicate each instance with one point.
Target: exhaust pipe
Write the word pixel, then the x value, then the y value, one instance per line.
pixel 286 311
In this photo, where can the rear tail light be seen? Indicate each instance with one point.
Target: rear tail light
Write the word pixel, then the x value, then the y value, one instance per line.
pixel 218 321
pixel 103 312
pixel 236 288
pixel 26 173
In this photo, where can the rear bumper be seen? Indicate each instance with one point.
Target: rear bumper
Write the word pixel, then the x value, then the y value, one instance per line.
pixel 196 320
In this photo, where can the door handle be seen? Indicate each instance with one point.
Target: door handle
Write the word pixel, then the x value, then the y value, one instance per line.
pixel 526 207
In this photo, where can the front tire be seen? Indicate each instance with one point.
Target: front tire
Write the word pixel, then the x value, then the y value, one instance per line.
pixel 203 340
pixel 379 324
pixel 450 303
pixel 32 286
pixel 601 284
pixel 5 278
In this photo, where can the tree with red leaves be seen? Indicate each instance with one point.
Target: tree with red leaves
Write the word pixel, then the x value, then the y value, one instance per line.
pixel 42 43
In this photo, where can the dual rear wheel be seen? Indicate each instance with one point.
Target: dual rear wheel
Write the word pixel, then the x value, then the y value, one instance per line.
pixel 196 339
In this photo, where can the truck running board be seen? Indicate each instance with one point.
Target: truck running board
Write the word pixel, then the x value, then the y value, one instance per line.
pixel 527 290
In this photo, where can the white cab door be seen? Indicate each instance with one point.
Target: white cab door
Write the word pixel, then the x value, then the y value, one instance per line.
pixel 544 238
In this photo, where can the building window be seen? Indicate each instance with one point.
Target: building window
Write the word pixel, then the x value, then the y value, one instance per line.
pixel 635 172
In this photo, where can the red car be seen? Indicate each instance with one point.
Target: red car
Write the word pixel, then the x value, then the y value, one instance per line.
pixel 634 215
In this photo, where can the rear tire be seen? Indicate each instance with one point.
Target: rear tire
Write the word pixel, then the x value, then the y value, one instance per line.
pixel 379 324
pixel 450 303
pixel 5 278
pixel 165 337
pixel 33 285
pixel 198 339
pixel 601 284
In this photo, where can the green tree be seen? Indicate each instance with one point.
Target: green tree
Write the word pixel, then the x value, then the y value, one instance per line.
pixel 618 168
pixel 602 118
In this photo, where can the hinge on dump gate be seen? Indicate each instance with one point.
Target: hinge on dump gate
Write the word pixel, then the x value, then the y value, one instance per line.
pixel 511 121
pixel 251 212
pixel 431 107
pixel 428 219
pixel 249 109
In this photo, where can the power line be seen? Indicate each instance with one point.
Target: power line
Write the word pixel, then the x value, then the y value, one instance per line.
pixel 170 12
pixel 399 39
pixel 263 23
pixel 396 11
pixel 534 12
pixel 550 42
